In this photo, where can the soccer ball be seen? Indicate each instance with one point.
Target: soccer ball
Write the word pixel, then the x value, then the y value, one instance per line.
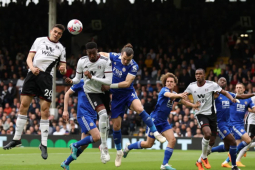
pixel 74 26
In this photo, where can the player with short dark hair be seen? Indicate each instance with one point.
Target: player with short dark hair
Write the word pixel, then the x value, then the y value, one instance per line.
pixel 45 53
pixel 203 91
pixel 123 95
pixel 97 71
pixel 167 98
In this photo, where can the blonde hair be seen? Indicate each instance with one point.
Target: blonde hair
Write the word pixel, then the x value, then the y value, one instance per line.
pixel 167 75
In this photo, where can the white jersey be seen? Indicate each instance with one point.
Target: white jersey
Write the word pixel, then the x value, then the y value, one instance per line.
pixel 48 54
pixel 250 119
pixel 204 95
pixel 98 69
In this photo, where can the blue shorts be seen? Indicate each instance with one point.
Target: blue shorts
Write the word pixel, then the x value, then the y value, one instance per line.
pixel 224 130
pixel 238 131
pixel 86 124
pixel 161 127
pixel 120 102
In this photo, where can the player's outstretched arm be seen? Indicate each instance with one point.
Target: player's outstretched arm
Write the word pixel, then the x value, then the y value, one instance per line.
pixel 124 84
pixel 244 96
pixel 228 96
pixel 104 54
pixel 78 74
pixel 189 104
pixel 175 95
pixel 65 113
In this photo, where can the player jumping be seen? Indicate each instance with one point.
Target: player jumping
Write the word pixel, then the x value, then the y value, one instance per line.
pixel 123 94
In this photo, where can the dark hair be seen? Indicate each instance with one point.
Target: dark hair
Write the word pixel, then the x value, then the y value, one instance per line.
pixel 60 26
pixel 201 69
pixel 167 75
pixel 91 45
pixel 128 48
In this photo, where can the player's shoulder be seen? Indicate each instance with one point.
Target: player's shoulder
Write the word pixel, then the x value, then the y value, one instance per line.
pixel 83 58
pixel 39 39
pixel 193 83
pixel 104 59
pixel 209 82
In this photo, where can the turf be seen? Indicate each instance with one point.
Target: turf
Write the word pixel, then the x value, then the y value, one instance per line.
pixel 30 159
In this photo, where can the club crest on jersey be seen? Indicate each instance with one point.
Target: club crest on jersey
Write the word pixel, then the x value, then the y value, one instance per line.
pixel 124 69
pixel 57 46
pixel 245 102
pixel 242 130
pixel 114 63
pixel 225 131
pixel 99 67
pixel 151 134
pixel 91 124
pixel 206 89
pixel 195 92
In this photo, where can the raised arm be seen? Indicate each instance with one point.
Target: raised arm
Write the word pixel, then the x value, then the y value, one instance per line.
pixel 67 95
pixel 104 54
pixel 244 96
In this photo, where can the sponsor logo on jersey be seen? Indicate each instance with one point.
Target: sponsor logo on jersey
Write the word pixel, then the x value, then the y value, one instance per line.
pixel 93 73
pixel 201 96
pixel 117 72
pixel 48 51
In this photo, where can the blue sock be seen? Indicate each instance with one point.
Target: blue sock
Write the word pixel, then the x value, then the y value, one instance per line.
pixel 136 145
pixel 117 139
pixel 147 120
pixel 241 146
pixel 232 152
pixel 85 141
pixel 70 158
pixel 168 154
pixel 220 148
pixel 228 159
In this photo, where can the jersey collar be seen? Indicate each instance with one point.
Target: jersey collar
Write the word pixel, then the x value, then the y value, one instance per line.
pixel 51 41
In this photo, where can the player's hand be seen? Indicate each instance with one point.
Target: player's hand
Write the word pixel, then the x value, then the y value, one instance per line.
pixel 68 80
pixel 197 105
pixel 216 95
pixel 105 87
pixel 62 70
pixel 183 95
pixel 65 116
pixel 35 70
pixel 87 74
pixel 235 100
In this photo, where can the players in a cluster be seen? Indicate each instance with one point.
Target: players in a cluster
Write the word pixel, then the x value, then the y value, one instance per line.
pixel 167 98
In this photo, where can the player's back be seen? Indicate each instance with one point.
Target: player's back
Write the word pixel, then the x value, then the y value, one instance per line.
pixel 222 104
pixel 238 110
pixel 163 106
pixel 96 69
pixel 121 71
pixel 84 107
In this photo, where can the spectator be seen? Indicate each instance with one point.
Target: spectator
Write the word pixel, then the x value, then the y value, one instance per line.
pixel 7 108
pixel 198 135
pixel 217 70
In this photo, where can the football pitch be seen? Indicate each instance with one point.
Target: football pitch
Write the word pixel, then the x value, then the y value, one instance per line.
pixel 30 159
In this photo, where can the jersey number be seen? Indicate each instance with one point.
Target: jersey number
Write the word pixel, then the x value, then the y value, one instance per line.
pixel 47 92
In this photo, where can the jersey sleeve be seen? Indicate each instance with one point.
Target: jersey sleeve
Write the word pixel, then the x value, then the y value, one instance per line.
pixel 108 67
pixel 63 56
pixel 188 90
pixel 216 87
pixel 35 46
pixel 79 68
pixel 251 104
pixel 232 94
pixel 133 70
pixel 77 87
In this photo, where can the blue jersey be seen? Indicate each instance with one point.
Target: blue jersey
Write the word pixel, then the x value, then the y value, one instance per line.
pixel 238 110
pixel 163 107
pixel 222 104
pixel 84 107
pixel 121 71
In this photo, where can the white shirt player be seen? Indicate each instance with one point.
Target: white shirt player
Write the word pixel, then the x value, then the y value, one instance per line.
pixel 97 69
pixel 250 119
pixel 48 54
pixel 204 95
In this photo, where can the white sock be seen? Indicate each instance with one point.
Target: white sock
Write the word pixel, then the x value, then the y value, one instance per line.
pixel 205 144
pixel 103 127
pixel 225 162
pixel 44 126
pixel 199 159
pixel 242 152
pixel 209 148
pixel 108 129
pixel 20 124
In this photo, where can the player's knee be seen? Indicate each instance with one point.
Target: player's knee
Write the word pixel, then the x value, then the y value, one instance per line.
pixel 96 137
pixel 139 110
pixel 116 127
pixel 207 135
pixel 248 140
pixel 148 144
pixel 232 142
pixel 173 140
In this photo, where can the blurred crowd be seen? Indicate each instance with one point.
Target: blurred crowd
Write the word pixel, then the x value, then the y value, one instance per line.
pixel 172 40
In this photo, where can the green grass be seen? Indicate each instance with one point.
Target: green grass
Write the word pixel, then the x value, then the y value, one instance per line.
pixel 30 159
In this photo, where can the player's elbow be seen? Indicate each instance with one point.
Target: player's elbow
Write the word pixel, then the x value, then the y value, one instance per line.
pixel 127 84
